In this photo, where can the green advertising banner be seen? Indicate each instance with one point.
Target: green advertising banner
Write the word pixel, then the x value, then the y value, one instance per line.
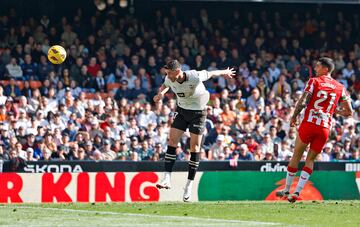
pixel 248 185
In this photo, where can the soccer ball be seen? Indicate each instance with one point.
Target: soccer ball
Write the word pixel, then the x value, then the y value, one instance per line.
pixel 56 54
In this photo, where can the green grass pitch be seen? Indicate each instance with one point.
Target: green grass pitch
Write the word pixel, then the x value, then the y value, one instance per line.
pixel 329 213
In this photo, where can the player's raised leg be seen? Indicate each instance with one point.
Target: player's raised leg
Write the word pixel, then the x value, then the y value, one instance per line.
pixel 195 144
pixel 170 157
pixel 292 168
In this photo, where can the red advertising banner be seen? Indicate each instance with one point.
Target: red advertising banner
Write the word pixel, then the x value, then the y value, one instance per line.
pixel 88 187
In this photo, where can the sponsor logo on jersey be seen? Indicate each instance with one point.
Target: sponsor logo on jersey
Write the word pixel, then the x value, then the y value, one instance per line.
pixel 332 86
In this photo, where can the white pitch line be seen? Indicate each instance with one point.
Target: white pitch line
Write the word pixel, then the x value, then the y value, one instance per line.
pixel 152 215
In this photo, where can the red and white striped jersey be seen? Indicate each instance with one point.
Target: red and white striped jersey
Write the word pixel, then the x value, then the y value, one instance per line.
pixel 326 93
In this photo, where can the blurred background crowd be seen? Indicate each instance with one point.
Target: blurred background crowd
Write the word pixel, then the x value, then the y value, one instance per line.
pixel 98 104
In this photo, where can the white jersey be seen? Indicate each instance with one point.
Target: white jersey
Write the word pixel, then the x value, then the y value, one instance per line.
pixel 191 94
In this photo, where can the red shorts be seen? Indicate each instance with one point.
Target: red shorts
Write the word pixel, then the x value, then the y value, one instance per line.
pixel 314 135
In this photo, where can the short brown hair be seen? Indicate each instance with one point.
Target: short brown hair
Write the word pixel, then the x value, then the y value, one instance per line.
pixel 172 65
pixel 328 63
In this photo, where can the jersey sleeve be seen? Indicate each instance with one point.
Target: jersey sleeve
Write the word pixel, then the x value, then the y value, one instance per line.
pixel 310 86
pixel 344 95
pixel 203 75
pixel 197 76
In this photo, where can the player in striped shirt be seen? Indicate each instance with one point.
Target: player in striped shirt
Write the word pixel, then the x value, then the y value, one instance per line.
pixel 323 96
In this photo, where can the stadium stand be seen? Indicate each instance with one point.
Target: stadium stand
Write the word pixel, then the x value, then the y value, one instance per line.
pixel 98 104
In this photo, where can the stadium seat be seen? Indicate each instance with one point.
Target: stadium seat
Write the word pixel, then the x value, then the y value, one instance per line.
pixel 35 84
pixel 112 86
pixel 4 82
pixel 104 95
pixel 18 83
pixel 213 96
pixel 90 95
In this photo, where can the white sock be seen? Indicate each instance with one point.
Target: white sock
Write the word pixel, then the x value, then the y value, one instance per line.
pixel 167 176
pixel 189 183
pixel 304 177
pixel 289 179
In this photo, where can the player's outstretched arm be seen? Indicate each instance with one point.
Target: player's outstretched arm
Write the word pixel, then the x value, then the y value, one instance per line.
pixel 160 95
pixel 301 104
pixel 345 109
pixel 227 73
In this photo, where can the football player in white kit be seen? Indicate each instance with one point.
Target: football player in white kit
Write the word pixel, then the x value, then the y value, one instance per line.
pixel 192 98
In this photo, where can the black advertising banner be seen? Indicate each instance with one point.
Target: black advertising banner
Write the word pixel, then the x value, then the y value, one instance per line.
pixel 145 166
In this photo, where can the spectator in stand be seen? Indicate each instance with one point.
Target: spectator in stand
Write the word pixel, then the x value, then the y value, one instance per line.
pixel 123 91
pixel 147 116
pixel 93 67
pixel 228 116
pixel 138 92
pixel 355 155
pixel 107 153
pixel 14 70
pixel 3 97
pixel 217 148
pixel 123 153
pixel 3 154
pixel 255 100
pixel 280 87
pixel 251 143
pixel 100 82
pixel 244 154
pixel 12 89
pixel 145 152
pixel 29 68
pixel 3 114
pixel 68 36
pixel 45 67
pixel 130 78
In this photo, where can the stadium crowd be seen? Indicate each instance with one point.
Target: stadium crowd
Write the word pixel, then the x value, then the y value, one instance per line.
pixel 98 104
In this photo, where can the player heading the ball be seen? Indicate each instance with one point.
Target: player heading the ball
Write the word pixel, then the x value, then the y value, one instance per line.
pixel 192 98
